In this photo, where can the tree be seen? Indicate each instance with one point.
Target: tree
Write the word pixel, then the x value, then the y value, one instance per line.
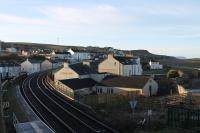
pixel 173 74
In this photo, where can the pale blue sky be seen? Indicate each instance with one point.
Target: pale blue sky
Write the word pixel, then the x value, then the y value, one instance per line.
pixel 169 27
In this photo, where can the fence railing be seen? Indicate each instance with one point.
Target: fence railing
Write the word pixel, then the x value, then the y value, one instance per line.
pixel 184 117
pixel 143 102
pixel 60 89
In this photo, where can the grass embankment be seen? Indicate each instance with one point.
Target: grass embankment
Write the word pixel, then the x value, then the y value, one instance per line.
pixel 190 64
pixel 160 71
pixel 11 96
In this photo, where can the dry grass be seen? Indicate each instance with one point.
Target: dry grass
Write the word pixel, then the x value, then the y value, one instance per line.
pixel 119 115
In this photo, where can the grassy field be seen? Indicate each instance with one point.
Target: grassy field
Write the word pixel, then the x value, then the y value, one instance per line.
pixel 191 64
pixel 161 71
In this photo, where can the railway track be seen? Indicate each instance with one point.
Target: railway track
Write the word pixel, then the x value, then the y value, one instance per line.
pixel 56 112
pixel 42 112
pixel 93 122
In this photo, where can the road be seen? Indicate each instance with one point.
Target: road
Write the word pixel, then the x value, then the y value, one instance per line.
pixel 57 112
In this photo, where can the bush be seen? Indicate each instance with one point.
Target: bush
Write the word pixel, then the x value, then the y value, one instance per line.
pixel 173 74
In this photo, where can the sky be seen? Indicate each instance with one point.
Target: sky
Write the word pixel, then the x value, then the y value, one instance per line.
pixel 169 27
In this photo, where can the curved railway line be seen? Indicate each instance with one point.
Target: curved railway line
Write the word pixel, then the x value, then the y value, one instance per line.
pixel 58 113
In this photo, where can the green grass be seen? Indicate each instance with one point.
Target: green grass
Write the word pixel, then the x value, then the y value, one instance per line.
pixel 193 64
pixel 161 71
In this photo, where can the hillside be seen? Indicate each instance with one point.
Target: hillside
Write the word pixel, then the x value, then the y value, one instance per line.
pixel 143 54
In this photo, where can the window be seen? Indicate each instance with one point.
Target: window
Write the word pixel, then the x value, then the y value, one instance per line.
pixel 109 91
pixel 150 90
pixel 101 90
pixel 130 72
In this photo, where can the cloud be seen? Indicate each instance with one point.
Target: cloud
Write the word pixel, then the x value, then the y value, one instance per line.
pixel 20 20
pixel 102 14
pixel 172 10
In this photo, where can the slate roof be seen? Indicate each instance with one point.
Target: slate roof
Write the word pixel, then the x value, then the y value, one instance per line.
pixel 8 64
pixel 77 83
pixel 45 52
pixel 53 61
pixel 152 60
pixel 126 60
pixel 126 82
pixel 82 69
pixel 68 53
pixel 35 61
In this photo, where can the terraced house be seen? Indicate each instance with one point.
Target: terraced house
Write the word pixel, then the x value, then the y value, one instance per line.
pixel 50 64
pixel 9 69
pixel 135 85
pixel 78 70
pixel 118 65
pixel 31 66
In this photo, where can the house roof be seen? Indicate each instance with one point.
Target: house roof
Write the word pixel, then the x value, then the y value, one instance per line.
pixel 53 61
pixel 152 60
pixel 81 69
pixel 126 60
pixel 8 64
pixel 35 61
pixel 46 51
pixel 77 83
pixel 68 53
pixel 126 82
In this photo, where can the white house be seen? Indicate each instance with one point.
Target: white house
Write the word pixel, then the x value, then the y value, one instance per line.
pixel 79 55
pixel 118 65
pixel 61 55
pixel 31 66
pixel 138 85
pixel 11 50
pixel 46 65
pixel 155 65
pixel 50 64
pixel 9 69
